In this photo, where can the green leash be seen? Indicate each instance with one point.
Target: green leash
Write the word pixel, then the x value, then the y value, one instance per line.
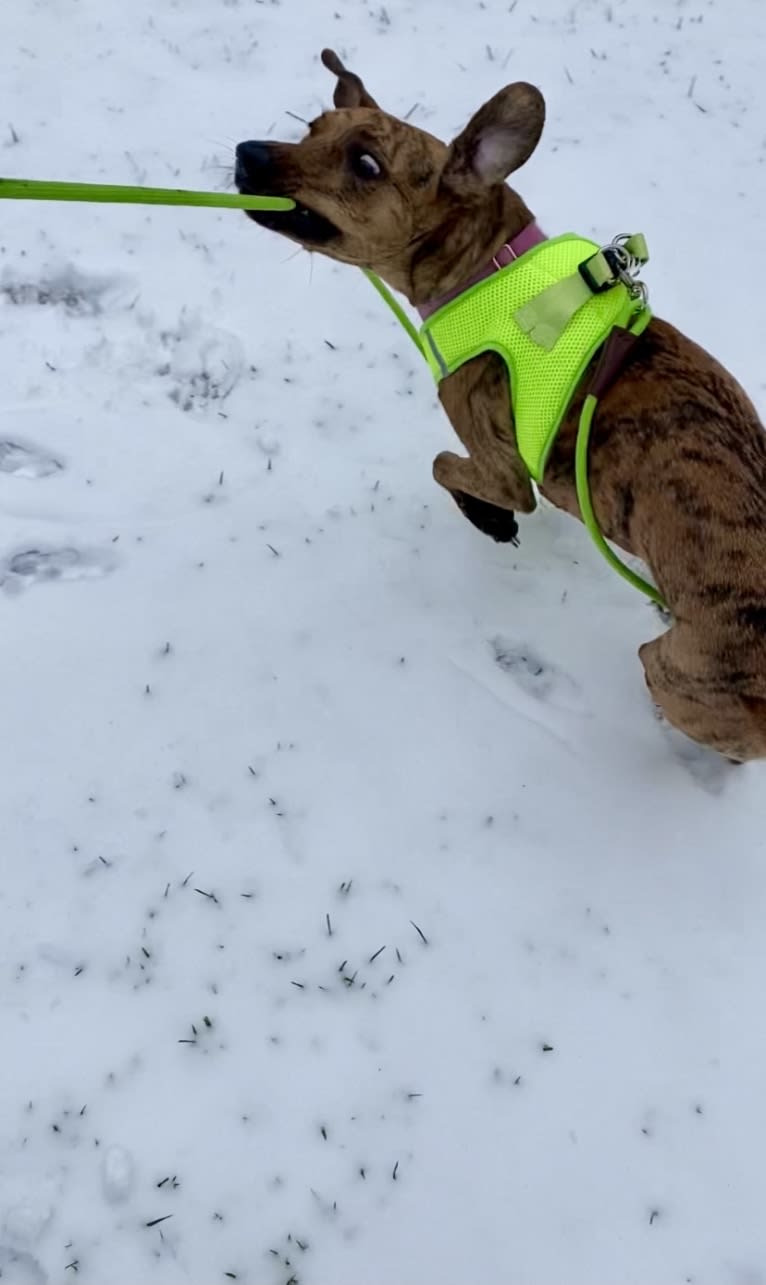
pixel 590 405
pixel 396 308
pixel 26 189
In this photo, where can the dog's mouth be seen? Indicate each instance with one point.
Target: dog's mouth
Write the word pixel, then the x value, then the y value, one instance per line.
pixel 301 223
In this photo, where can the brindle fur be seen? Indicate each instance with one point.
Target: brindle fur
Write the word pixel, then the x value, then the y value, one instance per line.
pixel 678 454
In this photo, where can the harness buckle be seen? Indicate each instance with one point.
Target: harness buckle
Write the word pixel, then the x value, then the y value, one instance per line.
pixel 617 263
pixel 602 271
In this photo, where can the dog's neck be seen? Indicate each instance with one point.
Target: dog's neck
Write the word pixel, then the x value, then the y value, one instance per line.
pixel 508 252
pixel 469 247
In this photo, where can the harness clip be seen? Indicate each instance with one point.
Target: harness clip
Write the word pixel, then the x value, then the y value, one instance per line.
pixel 619 262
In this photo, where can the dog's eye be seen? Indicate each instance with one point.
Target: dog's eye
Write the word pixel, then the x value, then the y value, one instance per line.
pixel 365 165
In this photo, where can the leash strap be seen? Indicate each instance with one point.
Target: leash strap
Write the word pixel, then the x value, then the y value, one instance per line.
pixel 615 353
pixel 396 308
pixel 27 189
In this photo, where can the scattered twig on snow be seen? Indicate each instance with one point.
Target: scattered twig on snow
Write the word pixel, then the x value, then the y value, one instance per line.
pixel 210 895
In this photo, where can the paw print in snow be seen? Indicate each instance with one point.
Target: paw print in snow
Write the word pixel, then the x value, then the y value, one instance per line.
pixel 24 460
pixel 41 566
pixel 17 1267
pixel 535 676
pixel 203 364
pixel 80 294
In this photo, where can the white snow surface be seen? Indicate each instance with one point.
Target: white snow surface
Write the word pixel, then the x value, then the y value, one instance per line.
pixel 357 917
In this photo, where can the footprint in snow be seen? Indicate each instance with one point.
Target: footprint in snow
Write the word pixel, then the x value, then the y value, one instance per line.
pixel 202 364
pixel 39 566
pixel 80 294
pixel 709 770
pixel 25 1215
pixel 536 677
pixel 25 1222
pixel 117 1174
pixel 28 461
pixel 17 1267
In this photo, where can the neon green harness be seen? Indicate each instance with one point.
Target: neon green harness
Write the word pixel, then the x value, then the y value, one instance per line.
pixel 545 361
pixel 547 317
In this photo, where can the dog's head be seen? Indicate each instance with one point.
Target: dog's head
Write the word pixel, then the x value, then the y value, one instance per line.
pixel 376 192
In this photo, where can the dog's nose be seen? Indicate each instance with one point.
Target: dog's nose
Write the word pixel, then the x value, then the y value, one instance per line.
pixel 253 159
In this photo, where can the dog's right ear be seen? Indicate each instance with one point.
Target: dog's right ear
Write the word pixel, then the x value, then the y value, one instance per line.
pixel 497 140
pixel 350 90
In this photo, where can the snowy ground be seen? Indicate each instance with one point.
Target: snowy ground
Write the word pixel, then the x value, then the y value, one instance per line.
pixel 356 917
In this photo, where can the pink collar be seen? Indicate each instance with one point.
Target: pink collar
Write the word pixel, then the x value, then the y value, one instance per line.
pixel 512 250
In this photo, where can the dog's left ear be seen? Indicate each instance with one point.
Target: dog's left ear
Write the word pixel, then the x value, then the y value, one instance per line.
pixel 498 139
pixel 350 90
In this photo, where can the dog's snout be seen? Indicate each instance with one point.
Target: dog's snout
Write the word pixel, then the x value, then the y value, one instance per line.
pixel 253 160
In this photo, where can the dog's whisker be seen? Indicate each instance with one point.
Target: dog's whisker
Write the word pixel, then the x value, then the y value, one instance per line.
pixel 295 116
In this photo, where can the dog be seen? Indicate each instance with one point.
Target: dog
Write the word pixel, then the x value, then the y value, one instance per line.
pixel 677 450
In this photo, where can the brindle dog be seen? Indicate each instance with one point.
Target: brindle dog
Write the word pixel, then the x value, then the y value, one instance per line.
pixel 678 454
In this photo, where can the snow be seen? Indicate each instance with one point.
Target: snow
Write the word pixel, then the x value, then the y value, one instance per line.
pixel 359 922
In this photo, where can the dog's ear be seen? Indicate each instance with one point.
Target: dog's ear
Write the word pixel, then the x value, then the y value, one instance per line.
pixel 350 90
pixel 498 139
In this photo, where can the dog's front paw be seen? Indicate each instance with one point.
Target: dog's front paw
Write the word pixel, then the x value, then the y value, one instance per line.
pixel 490 519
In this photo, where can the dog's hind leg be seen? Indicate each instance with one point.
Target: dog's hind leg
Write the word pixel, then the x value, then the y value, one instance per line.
pixel 694 699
